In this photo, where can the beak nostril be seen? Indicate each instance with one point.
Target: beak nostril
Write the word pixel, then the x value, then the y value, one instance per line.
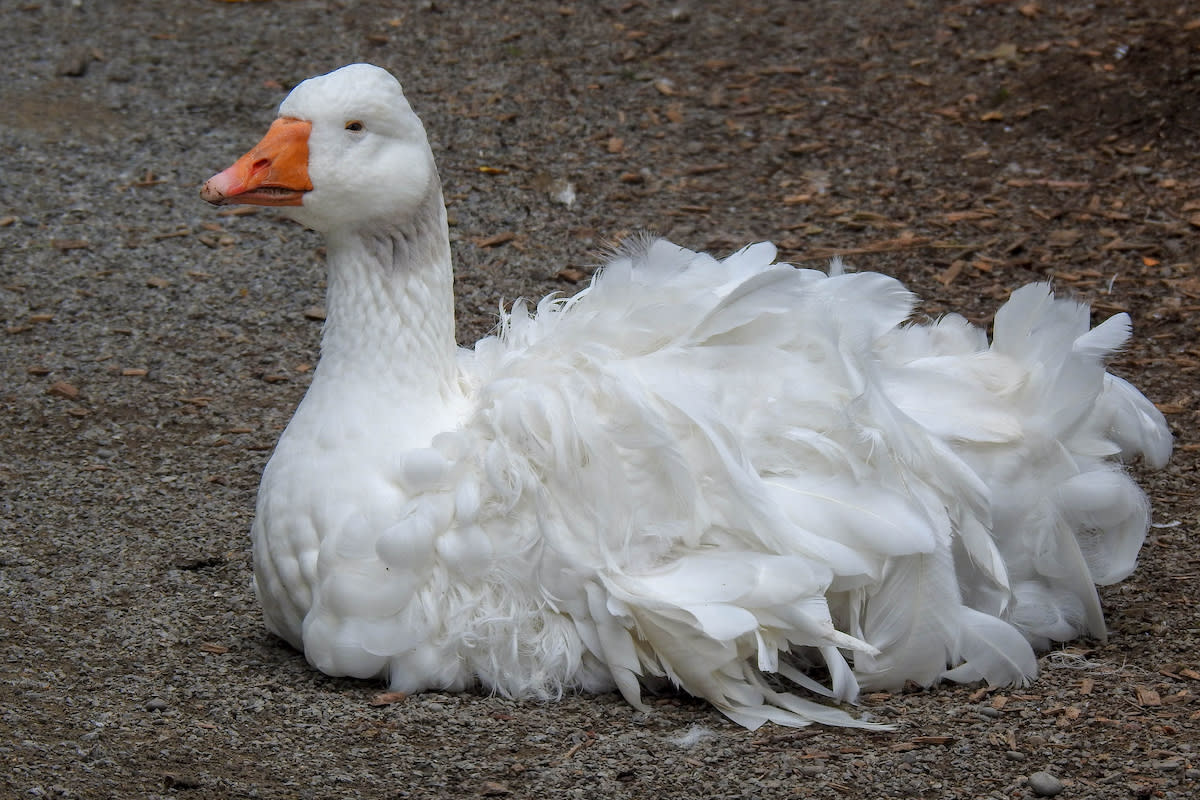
pixel 261 164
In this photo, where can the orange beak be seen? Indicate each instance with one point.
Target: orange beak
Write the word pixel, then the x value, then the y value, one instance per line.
pixel 273 173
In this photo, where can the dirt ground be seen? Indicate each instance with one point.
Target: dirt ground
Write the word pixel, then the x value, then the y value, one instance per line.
pixel 153 348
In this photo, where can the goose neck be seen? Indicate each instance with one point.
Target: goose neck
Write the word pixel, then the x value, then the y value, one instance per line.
pixel 390 305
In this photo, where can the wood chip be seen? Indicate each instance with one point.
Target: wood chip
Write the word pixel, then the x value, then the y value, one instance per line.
pixel 157 283
pixel 213 647
pixel 1064 237
pixel 134 372
pixel 1147 696
pixel 388 698
pixel 665 86
pixel 705 169
pixel 63 389
pixel 951 272
pixel 969 215
pixel 571 274
pixel 171 235
pixel 495 240
pixel 1021 183
pixel 69 244
pixel 315 312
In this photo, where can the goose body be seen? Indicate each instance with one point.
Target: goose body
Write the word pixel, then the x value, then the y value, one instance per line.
pixel 718 473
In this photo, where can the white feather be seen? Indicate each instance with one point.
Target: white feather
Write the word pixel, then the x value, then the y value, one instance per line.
pixel 721 473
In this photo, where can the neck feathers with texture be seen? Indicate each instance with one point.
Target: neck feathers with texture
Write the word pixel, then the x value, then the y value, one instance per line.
pixel 391 304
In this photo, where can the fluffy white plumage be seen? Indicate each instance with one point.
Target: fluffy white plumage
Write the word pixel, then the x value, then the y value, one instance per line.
pixel 720 473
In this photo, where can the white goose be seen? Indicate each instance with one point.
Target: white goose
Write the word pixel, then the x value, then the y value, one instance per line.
pixel 722 473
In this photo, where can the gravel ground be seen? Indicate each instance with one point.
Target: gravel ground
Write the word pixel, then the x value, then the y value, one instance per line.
pixel 155 347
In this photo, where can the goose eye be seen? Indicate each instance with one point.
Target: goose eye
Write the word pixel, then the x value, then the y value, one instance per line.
pixel 355 125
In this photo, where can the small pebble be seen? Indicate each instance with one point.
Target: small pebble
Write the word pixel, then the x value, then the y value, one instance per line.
pixel 988 711
pixel 156 704
pixel 75 63
pixel 1014 755
pixel 1044 784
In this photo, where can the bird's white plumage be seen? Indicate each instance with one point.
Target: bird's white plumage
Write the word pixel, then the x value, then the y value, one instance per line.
pixel 721 473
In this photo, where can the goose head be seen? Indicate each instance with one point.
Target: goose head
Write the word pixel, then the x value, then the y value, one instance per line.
pixel 345 154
